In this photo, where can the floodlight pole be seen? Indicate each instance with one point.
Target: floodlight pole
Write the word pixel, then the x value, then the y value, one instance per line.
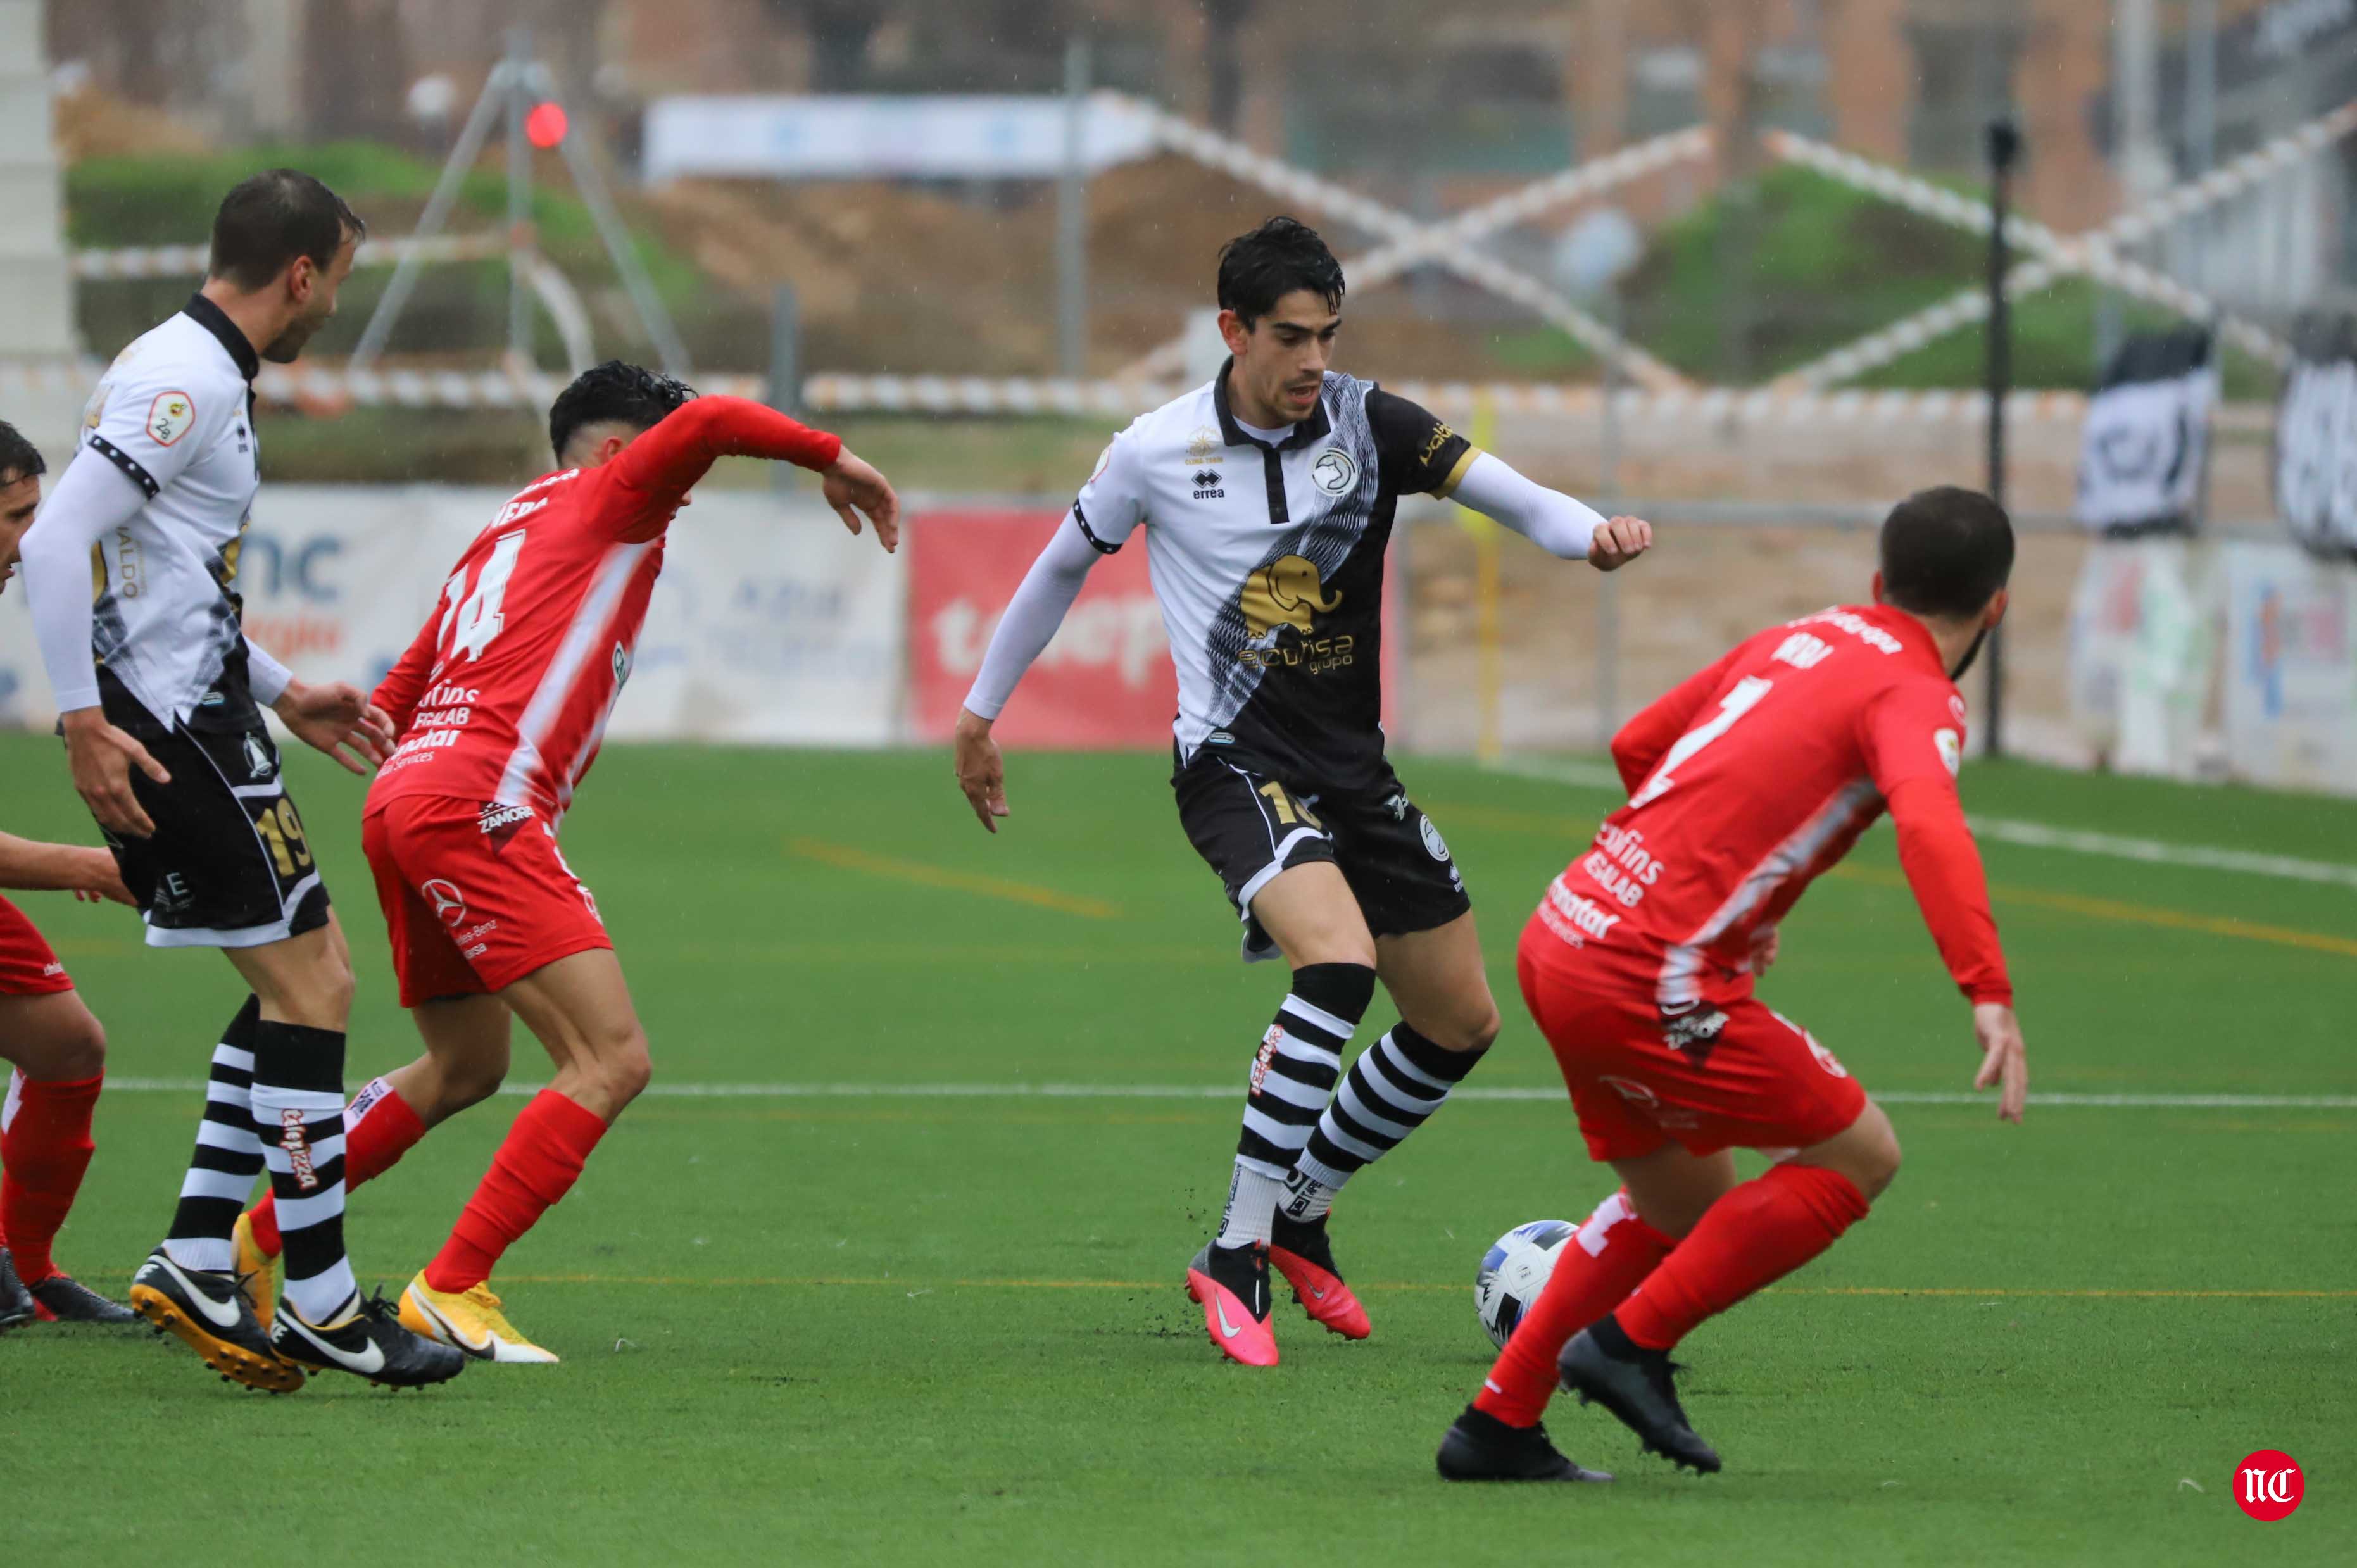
pixel 2004 150
pixel 1072 218
pixel 1608 586
pixel 653 316
pixel 519 234
pixel 469 147
pixel 510 90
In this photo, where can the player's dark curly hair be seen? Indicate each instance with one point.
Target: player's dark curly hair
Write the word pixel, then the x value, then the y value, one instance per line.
pixel 1258 269
pixel 621 393
pixel 19 459
pixel 1945 551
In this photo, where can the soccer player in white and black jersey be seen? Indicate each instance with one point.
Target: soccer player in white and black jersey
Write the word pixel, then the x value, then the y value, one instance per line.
pixel 132 571
pixel 1267 497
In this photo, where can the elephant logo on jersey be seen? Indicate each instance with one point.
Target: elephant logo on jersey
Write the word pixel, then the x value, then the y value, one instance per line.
pixel 1288 591
pixel 1334 473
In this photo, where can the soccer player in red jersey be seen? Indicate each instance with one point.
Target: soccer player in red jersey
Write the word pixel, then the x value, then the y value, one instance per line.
pixel 500 705
pixel 55 1050
pixel 1746 783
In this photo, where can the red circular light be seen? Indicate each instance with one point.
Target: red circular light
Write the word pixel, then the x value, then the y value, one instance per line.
pixel 545 126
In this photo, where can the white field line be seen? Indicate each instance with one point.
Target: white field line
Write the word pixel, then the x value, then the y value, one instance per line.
pixel 2039 835
pixel 664 1090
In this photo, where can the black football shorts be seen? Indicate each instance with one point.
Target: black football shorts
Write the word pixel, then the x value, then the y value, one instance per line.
pixel 1249 823
pixel 229 865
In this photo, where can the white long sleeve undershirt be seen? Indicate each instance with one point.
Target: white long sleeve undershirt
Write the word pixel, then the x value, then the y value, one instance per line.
pixel 1032 617
pixel 1554 522
pixel 90 498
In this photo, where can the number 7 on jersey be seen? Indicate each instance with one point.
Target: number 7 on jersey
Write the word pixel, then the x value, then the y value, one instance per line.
pixel 1734 705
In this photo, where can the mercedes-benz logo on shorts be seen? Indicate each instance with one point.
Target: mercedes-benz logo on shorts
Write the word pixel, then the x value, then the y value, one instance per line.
pixel 450 904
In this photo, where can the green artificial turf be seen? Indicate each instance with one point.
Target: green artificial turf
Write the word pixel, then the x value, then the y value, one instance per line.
pixel 948 1327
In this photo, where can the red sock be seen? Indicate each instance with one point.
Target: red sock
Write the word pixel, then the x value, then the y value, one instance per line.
pixel 535 1166
pixel 1755 1235
pixel 44 1149
pixel 379 1128
pixel 1594 1271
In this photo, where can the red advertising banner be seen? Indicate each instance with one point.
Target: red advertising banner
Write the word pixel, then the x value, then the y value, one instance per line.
pixel 1105 683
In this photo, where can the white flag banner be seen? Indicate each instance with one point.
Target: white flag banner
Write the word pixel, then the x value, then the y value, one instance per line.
pixel 2316 438
pixel 2144 451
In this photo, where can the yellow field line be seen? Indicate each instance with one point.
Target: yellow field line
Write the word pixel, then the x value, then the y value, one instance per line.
pixel 2129 914
pixel 2035 898
pixel 926 875
pixel 774 1283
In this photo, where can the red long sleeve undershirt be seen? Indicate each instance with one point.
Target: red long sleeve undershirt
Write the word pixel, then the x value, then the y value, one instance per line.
pixel 652 475
pixel 1943 870
pixel 678 452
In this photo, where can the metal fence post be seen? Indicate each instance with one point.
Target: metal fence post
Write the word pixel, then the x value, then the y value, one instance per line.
pixel 2004 148
pixel 785 369
pixel 1072 220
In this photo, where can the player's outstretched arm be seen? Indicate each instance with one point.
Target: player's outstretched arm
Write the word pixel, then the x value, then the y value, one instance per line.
pixel 1024 632
pixel 851 483
pixel 89 874
pixel 321 716
pixel 338 720
pixel 1554 522
pixel 682 449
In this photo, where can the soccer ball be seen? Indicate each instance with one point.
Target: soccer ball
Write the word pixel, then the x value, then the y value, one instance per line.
pixel 1513 1271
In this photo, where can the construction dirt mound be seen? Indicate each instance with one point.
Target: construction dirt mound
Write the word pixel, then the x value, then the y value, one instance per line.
pixel 895 277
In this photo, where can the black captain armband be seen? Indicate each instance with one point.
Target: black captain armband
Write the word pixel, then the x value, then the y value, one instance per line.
pixel 127 463
pixel 1090 534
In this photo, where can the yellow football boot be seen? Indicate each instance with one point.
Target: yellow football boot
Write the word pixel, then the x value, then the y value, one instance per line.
pixel 257 1273
pixel 470 1319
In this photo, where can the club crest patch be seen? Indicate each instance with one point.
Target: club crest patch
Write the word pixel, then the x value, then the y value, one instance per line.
pixel 169 416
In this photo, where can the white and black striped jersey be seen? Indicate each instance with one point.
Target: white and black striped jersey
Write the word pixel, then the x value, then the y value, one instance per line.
pixel 175 414
pixel 1267 560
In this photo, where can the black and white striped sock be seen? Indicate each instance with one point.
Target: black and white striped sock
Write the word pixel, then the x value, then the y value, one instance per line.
pixel 227 1157
pixel 1393 1088
pixel 298 1114
pixel 1293 1076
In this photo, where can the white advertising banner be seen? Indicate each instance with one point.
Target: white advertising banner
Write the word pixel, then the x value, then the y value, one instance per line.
pixel 2142 650
pixel 770 624
pixel 913 136
pixel 2292 668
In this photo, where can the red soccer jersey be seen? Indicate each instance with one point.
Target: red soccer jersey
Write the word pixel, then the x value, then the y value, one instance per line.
pixel 1752 779
pixel 502 699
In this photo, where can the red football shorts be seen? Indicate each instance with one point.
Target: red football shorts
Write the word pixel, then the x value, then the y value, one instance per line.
pixel 27 967
pixel 475 896
pixel 1756 1081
